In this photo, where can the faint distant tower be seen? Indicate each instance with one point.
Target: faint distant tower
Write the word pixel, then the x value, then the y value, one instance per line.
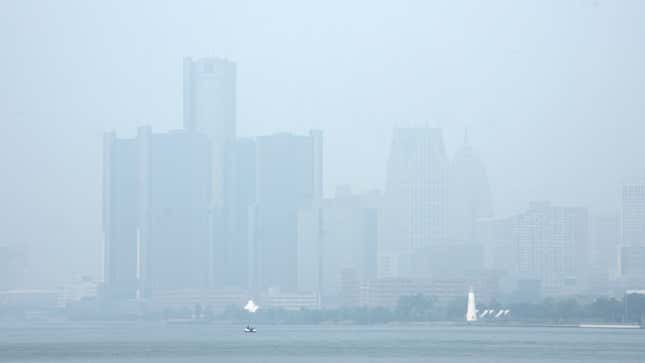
pixel 468 194
pixel 414 206
pixel 337 244
pixel 156 212
pixel 288 179
pixel 209 106
pixel 174 193
pixel 231 257
pixel 120 225
pixel 552 245
pixel 633 215
pixel 632 254
pixel 604 231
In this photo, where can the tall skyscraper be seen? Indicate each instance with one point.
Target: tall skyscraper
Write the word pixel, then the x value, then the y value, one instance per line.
pixel 337 246
pixel 468 194
pixel 288 178
pixel 13 265
pixel 232 260
pixel 552 245
pixel 633 214
pixel 605 240
pixel 174 195
pixel 209 106
pixel 157 191
pixel 120 223
pixel 632 249
pixel 496 236
pixel 414 208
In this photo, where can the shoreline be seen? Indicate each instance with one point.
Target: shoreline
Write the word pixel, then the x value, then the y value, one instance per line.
pixel 477 324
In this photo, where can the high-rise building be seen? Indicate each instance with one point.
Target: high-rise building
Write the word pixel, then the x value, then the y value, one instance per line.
pixel 632 261
pixel 13 265
pixel 632 249
pixel 157 191
pixel 414 206
pixel 288 179
pixel 552 245
pixel 120 223
pixel 174 194
pixel 604 248
pixel 496 236
pixel 238 252
pixel 633 214
pixel 209 106
pixel 468 194
pixel 337 246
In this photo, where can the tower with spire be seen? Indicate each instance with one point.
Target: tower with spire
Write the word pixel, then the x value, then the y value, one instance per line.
pixel 469 196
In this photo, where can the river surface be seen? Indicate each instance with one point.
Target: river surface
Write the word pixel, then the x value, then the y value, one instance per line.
pixel 158 342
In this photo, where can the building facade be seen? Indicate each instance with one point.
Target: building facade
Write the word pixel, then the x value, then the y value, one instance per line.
pixel 552 245
pixel 632 248
pixel 469 195
pixel 288 179
pixel 337 245
pixel 209 106
pixel 120 218
pixel 633 214
pixel 157 190
pixel 174 200
pixel 414 211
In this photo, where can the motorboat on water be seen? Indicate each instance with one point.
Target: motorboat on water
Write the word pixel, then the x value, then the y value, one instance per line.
pixel 249 329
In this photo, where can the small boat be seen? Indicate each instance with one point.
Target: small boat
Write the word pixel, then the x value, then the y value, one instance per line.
pixel 251 308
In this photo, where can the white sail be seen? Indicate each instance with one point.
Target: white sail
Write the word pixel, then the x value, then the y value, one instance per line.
pixel 251 307
pixel 471 311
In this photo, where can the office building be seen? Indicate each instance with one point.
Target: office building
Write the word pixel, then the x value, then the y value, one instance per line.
pixel 552 245
pixel 632 249
pixel 633 214
pixel 414 206
pixel 604 251
pixel 337 245
pixel 13 265
pixel 469 196
pixel 288 179
pixel 209 106
pixel 120 218
pixel 174 195
pixel 156 212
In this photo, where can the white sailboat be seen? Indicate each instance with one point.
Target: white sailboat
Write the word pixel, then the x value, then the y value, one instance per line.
pixel 251 308
pixel 471 310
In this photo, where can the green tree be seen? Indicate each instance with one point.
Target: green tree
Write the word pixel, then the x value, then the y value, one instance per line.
pixel 414 308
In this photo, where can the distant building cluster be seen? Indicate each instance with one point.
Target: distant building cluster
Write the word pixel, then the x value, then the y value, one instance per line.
pixel 199 215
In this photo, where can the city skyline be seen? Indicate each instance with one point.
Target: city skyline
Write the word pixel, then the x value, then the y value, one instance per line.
pixel 285 181
pixel 529 138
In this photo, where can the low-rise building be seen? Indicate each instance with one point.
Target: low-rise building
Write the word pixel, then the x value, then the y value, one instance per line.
pixel 275 299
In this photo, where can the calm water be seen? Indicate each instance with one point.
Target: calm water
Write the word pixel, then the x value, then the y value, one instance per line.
pixel 157 342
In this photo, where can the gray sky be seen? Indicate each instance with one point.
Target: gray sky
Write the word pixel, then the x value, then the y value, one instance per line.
pixel 552 93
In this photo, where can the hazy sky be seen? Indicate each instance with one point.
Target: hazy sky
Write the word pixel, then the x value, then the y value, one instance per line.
pixel 552 93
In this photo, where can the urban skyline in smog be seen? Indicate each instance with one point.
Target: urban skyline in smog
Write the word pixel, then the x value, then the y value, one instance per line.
pixel 541 130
